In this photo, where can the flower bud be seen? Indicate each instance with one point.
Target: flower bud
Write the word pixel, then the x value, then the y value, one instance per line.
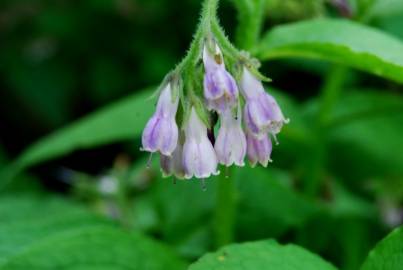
pixel 161 131
pixel 199 158
pixel 220 89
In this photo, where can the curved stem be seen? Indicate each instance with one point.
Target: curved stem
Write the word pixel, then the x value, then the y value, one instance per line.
pixel 208 24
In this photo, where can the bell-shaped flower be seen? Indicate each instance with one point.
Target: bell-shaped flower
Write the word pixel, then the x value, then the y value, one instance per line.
pixel 199 157
pixel 220 89
pixel 258 149
pixel 172 165
pixel 262 113
pixel 161 131
pixel 230 145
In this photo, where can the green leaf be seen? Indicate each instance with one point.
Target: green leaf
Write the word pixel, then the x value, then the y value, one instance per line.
pixel 368 123
pixel 22 224
pixel 358 104
pixel 94 248
pixel 261 255
pixel 388 254
pixel 123 120
pixel 338 41
pixel 269 205
pixel 51 233
pixel 345 204
pixel 385 8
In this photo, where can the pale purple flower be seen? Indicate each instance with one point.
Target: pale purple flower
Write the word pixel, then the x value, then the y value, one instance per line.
pixel 230 145
pixel 161 131
pixel 199 158
pixel 262 113
pixel 220 89
pixel 259 149
pixel 172 165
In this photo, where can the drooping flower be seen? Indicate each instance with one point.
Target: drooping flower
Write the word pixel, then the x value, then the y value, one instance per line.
pixel 172 165
pixel 220 89
pixel 199 157
pixel 161 131
pixel 262 113
pixel 258 149
pixel 230 145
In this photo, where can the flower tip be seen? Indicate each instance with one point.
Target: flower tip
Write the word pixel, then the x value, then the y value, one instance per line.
pixel 252 164
pixel 217 172
pixel 265 163
pixel 165 174
pixel 240 164
pixel 168 154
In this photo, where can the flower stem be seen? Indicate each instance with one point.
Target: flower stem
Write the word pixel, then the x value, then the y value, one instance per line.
pixel 225 210
pixel 208 24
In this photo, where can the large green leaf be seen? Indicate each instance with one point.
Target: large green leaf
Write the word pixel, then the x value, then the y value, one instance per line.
pixel 27 219
pixel 94 248
pixel 339 41
pixel 388 254
pixel 51 233
pixel 261 255
pixel 120 121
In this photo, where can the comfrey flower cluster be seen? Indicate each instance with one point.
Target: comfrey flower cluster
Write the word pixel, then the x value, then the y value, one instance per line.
pixel 247 116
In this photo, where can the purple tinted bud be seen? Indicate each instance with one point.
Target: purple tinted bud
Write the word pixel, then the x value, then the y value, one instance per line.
pixel 199 158
pixel 161 131
pixel 259 149
pixel 230 145
pixel 262 113
pixel 220 89
pixel 172 165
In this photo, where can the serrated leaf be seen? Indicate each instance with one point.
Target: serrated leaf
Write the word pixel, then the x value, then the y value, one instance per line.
pixel 261 255
pixel 338 41
pixel 388 254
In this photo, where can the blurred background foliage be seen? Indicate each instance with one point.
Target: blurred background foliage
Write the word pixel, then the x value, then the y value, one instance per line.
pixel 336 184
